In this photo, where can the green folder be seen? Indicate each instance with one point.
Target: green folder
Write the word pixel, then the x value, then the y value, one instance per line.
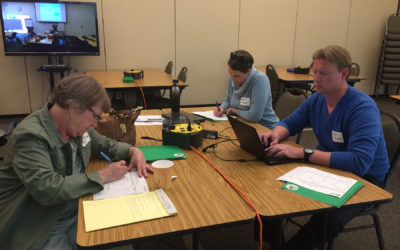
pixel 159 152
pixel 329 199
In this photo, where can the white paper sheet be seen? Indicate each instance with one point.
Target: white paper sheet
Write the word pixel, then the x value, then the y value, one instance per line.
pixel 210 115
pixel 319 181
pixel 149 120
pixel 129 184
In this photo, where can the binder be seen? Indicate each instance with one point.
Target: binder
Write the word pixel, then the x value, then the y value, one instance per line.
pixel 326 198
pixel 159 152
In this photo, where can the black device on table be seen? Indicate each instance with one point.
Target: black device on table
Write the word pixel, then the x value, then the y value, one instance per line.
pixel 250 141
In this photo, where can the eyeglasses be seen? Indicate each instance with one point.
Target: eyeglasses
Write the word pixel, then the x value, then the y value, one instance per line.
pixel 97 116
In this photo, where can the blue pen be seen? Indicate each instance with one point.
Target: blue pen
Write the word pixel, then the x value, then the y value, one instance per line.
pixel 106 157
pixel 216 103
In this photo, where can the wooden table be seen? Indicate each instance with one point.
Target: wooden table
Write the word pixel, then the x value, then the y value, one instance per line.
pixel 291 78
pixel 204 200
pixel 153 78
pixel 153 81
pixel 396 97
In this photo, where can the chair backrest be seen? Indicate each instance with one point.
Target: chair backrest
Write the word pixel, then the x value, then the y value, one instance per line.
pixel 355 69
pixel 183 74
pixel 288 102
pixel 168 68
pixel 391 131
pixel 273 81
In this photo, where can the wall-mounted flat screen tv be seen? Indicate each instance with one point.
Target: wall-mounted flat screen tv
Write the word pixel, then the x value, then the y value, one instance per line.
pixel 49 28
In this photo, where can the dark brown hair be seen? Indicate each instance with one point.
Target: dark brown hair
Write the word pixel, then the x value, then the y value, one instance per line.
pixel 241 60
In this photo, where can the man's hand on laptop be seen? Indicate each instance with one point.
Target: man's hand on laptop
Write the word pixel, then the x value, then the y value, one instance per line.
pixel 284 150
pixel 268 139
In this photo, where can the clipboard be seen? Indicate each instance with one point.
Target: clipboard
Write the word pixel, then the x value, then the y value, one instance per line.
pixel 326 198
pixel 159 152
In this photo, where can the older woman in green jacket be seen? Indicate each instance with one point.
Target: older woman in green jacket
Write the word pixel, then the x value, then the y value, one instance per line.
pixel 43 172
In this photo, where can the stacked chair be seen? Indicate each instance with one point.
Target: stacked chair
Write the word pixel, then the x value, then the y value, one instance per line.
pixel 389 62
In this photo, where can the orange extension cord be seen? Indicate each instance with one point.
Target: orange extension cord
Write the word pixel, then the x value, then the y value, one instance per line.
pixel 237 189
pixel 144 99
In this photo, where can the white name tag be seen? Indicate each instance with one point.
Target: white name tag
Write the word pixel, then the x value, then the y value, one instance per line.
pixel 245 101
pixel 337 136
pixel 85 139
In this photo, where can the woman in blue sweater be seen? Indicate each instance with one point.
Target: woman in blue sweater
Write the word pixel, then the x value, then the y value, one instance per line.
pixel 249 92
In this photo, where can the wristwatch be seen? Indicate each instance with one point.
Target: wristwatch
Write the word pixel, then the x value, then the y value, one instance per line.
pixel 307 153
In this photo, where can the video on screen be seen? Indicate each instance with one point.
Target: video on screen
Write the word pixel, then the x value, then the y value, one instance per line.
pixel 40 28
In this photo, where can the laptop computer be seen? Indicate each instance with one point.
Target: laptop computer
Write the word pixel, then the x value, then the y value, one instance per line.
pixel 249 141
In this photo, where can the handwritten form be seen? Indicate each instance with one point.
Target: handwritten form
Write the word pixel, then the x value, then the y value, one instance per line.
pixel 129 184
pixel 128 209
pixel 210 115
pixel 319 181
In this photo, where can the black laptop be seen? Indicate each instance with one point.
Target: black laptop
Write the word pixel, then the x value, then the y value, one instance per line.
pixel 249 141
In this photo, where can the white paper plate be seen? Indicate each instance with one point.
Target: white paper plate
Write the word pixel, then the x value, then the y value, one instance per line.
pixel 162 164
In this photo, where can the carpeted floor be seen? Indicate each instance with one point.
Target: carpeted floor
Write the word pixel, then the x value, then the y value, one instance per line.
pixel 241 237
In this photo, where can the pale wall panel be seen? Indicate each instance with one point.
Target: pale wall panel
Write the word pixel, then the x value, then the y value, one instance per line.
pixel 206 32
pixel 366 28
pixel 267 29
pixel 139 34
pixel 319 23
pixel 14 97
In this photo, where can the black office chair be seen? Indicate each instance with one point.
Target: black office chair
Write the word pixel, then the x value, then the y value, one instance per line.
pixel 355 69
pixel 183 74
pixel 391 131
pixel 288 102
pixel 276 87
pixel 168 68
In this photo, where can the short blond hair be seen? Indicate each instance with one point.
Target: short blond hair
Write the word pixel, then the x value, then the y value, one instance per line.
pixel 81 90
pixel 334 54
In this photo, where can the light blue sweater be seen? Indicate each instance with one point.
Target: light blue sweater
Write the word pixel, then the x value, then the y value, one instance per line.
pixel 254 103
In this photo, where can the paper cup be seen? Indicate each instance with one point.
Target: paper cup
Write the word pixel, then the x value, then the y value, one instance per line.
pixel 163 173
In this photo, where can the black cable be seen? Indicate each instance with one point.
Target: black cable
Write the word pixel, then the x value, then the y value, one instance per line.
pixel 214 145
pixel 150 138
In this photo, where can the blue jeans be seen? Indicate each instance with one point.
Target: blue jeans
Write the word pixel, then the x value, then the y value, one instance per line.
pixel 63 236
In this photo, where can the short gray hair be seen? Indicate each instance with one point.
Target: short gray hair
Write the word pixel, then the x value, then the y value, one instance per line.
pixel 83 91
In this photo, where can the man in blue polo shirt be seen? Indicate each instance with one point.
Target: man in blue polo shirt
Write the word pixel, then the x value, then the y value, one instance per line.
pixel 347 124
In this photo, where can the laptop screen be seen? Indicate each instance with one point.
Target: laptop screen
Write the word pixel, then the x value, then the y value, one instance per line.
pixel 248 137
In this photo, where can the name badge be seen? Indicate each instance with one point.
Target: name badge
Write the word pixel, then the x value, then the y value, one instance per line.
pixel 245 101
pixel 337 136
pixel 85 139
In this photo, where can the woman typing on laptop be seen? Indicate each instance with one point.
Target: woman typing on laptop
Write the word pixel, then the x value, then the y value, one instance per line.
pixel 249 92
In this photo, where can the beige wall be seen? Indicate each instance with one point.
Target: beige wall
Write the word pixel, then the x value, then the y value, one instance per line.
pixel 200 35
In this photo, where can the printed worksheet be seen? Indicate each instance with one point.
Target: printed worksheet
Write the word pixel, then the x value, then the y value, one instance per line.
pixel 319 181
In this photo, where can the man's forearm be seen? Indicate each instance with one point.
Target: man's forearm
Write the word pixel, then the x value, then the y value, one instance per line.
pixel 280 132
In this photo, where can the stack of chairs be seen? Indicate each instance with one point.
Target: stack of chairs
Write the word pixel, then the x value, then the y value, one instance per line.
pixel 389 62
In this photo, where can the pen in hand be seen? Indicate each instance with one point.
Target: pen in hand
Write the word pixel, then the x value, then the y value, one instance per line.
pixel 106 157
pixel 219 111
